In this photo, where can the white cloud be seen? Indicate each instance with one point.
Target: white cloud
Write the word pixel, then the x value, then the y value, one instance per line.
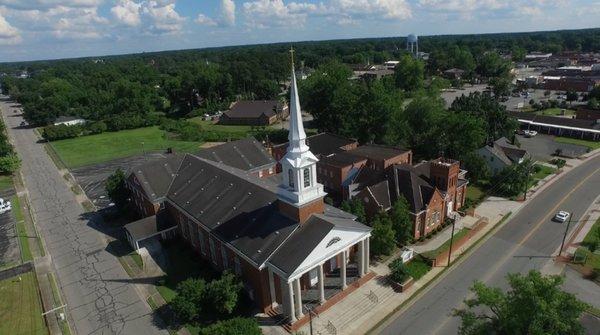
pixel 471 9
pixel 8 33
pixel 127 12
pixel 228 12
pixel 47 4
pixel 205 20
pixel 265 13
pixel 153 16
pixel 226 16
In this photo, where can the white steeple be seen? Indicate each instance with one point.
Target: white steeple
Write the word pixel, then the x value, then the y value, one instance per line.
pixel 299 169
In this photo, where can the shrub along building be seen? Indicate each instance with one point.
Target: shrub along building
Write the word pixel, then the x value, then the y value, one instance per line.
pixel 288 247
pixel 255 113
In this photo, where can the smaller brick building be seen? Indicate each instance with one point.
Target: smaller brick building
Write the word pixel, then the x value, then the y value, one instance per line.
pixel 255 113
pixel 381 157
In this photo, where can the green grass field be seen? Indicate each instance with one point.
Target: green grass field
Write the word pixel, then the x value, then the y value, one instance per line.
pixel 543 172
pixel 475 193
pixel 20 306
pixel 556 112
pixel 107 146
pixel 592 145
pixel 590 245
pixel 210 126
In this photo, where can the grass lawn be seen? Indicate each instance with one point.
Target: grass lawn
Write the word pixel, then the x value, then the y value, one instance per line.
pixel 556 111
pixel 20 306
pixel 592 145
pixel 210 126
pixel 446 245
pixel 590 245
pixel 417 267
pixel 544 172
pixel 5 182
pixel 107 146
pixel 183 264
pixel 21 231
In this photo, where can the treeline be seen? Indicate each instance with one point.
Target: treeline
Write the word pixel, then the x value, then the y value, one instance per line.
pixel 180 83
pixel 9 161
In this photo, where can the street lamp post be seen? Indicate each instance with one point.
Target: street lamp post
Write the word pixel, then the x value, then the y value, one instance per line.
pixel 451 240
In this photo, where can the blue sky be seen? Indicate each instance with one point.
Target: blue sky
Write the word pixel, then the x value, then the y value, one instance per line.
pixel 43 29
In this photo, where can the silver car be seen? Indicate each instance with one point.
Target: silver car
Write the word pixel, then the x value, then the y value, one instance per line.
pixel 561 216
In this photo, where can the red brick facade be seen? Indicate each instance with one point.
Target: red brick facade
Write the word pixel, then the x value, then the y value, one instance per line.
pixel 431 218
pixel 143 205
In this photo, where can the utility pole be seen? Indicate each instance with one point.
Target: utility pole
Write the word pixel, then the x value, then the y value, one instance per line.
pixel 451 240
pixel 527 182
pixel 562 245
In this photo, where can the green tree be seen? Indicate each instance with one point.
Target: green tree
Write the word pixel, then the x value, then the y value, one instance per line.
pixel 383 236
pixel 511 181
pixel 116 189
pixel 409 74
pixel 235 326
pixel 188 302
pixel 223 294
pixel 476 167
pixel 500 86
pixel 355 206
pixel 534 304
pixel 493 65
pixel 572 96
pixel 401 221
pixel 9 164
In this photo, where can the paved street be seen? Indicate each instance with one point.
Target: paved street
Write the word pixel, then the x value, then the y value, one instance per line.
pixel 526 242
pixel 100 296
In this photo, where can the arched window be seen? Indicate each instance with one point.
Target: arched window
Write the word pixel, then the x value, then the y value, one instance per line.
pixel 291 178
pixel 307 177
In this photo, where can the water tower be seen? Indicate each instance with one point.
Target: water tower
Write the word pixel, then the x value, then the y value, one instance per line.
pixel 412 44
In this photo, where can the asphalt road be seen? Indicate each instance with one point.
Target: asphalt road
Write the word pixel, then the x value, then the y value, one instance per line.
pixel 525 242
pixel 99 294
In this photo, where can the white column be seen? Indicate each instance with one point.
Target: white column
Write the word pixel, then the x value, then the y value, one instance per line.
pixel 321 285
pixel 361 258
pixel 290 304
pixel 367 255
pixel 343 270
pixel 272 288
pixel 298 297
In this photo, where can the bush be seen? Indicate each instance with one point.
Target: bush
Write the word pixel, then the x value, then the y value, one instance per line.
pixel 116 189
pixel 398 271
pixel 560 163
pixel 61 132
pixel 235 326
pixel 9 164
pixel 97 127
pixel 188 302
pixel 222 294
pixel 383 237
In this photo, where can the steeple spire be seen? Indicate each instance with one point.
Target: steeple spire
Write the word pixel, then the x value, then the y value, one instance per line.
pixel 299 186
pixel 296 136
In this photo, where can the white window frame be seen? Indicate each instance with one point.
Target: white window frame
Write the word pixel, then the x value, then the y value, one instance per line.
pixel 237 266
pixel 201 241
pixel 224 257
pixel 213 255
pixel 306 176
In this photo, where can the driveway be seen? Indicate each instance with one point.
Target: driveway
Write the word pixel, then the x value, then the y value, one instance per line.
pixel 542 147
pixel 100 297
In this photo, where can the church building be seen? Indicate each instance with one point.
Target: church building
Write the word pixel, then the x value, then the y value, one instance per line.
pixel 293 252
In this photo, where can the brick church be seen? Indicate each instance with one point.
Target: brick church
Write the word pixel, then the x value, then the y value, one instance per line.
pixel 292 251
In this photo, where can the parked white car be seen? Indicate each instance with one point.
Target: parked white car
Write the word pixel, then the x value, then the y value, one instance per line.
pixel 530 133
pixel 562 216
pixel 5 206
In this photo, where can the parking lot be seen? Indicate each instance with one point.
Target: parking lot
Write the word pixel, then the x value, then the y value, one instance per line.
pixel 542 147
pixel 9 244
pixel 91 178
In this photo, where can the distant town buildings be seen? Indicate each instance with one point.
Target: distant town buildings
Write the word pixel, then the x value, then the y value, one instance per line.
pixel 255 113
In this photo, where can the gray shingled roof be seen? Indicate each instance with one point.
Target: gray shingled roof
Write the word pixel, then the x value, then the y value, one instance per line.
pixel 149 226
pixel 245 154
pixel 381 193
pixel 324 144
pixel 156 176
pixel 253 109
pixel 407 182
pixel 306 238
pixel 237 207
pixel 376 151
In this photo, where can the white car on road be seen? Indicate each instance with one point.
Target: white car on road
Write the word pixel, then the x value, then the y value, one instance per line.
pixel 530 133
pixel 5 206
pixel 561 216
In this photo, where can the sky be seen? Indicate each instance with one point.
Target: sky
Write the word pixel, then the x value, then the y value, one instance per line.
pixel 48 29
